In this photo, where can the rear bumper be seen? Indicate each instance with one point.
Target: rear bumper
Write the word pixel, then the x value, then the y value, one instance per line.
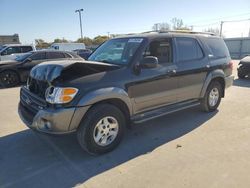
pixel 229 81
pixel 48 120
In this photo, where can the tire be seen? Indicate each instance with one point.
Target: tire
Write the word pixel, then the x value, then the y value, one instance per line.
pixel 90 129
pixel 241 74
pixel 9 78
pixel 209 103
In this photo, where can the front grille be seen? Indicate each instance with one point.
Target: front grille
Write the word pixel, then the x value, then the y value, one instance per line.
pixel 30 104
pixel 37 87
pixel 31 101
pixel 27 114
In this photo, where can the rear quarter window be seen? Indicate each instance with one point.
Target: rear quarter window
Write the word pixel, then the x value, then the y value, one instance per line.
pixel 55 55
pixel 217 47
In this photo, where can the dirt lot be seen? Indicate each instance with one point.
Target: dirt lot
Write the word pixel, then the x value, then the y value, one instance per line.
pixel 185 149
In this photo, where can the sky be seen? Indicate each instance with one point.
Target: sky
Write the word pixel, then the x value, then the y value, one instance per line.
pixel 50 19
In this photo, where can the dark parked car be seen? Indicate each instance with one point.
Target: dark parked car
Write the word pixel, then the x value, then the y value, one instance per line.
pixel 13 72
pixel 83 53
pixel 244 67
pixel 129 79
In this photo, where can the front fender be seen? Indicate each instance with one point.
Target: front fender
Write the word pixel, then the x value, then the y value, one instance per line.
pixel 214 74
pixel 105 94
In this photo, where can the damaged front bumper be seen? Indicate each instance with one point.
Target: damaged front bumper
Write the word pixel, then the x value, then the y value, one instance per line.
pixel 53 121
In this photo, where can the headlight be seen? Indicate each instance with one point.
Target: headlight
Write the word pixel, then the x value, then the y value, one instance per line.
pixel 59 95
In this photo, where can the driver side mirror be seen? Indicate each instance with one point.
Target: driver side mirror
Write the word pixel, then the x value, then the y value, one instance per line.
pixel 149 62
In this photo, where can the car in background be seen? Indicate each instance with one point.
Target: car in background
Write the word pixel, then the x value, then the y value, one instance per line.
pixel 244 67
pixel 67 46
pixel 10 51
pixel 14 72
pixel 84 53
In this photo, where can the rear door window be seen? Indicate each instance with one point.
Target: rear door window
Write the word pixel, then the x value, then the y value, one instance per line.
pixel 38 56
pixel 25 49
pixel 188 49
pixel 55 55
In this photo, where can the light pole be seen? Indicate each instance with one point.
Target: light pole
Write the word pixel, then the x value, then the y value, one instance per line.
pixel 221 27
pixel 80 17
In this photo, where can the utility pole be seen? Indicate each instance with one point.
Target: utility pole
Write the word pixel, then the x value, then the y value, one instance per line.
pixel 249 32
pixel 221 27
pixel 80 17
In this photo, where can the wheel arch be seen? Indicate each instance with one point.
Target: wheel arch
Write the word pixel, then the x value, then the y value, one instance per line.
pixel 113 95
pixel 216 75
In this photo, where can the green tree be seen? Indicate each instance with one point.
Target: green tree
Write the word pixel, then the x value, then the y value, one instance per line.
pixel 40 43
pixel 57 40
pixel 100 39
pixel 86 40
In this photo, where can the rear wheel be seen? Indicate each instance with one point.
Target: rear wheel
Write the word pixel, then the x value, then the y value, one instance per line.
pixel 102 129
pixel 212 97
pixel 9 78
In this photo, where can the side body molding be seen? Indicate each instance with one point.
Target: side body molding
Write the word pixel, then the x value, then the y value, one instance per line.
pixel 214 74
pixel 105 94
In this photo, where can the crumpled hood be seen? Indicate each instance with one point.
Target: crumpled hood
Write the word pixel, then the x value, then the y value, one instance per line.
pixel 49 71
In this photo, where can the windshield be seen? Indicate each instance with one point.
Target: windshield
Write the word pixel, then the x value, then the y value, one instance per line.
pixel 116 51
pixel 21 58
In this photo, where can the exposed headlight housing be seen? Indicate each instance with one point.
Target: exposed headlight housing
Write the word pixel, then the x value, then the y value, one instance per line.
pixel 60 95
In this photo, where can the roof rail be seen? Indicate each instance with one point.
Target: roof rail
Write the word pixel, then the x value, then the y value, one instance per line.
pixel 181 31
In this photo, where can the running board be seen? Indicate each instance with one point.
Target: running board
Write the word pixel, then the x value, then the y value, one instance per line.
pixel 142 117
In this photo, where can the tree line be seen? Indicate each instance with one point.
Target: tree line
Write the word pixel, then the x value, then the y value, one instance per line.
pixel 40 43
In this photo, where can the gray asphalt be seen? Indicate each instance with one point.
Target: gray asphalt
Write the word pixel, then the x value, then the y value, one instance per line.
pixel 185 149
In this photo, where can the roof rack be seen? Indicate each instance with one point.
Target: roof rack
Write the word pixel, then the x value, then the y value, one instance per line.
pixel 182 31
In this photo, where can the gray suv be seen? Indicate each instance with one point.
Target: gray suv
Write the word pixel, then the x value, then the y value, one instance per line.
pixel 126 80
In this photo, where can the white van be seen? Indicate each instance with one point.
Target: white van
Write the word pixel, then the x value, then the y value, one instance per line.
pixel 11 51
pixel 68 46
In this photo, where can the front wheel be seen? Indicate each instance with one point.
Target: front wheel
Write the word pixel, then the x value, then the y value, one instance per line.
pixel 212 97
pixel 9 79
pixel 102 129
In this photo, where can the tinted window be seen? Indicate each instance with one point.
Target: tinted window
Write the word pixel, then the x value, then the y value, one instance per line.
pixel 188 49
pixel 217 47
pixel 55 55
pixel 160 49
pixel 13 50
pixel 25 49
pixel 38 56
